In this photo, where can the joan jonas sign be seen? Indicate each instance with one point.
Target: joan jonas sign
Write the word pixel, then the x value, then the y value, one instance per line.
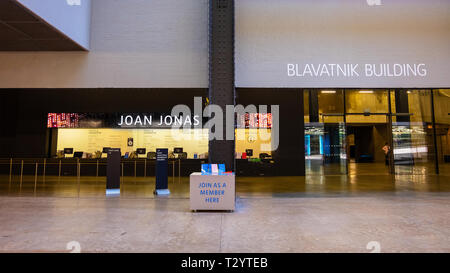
pixel 356 70
pixel 166 120
pixel 121 120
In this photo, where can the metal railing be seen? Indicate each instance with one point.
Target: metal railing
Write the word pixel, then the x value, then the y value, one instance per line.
pixel 59 168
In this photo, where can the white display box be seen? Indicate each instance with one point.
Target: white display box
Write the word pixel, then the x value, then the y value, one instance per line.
pixel 212 192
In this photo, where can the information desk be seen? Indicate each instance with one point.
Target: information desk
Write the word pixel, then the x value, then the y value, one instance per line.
pixel 97 167
pixel 212 192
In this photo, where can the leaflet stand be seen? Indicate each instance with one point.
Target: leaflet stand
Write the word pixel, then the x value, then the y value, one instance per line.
pixel 162 185
pixel 113 172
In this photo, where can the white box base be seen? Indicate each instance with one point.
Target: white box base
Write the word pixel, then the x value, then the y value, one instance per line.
pixel 212 192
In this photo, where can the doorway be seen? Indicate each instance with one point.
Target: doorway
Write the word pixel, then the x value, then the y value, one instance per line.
pixel 365 148
pixel 325 132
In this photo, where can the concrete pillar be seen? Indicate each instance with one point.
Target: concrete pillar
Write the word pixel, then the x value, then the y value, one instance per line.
pixel 221 72
pixel 313 105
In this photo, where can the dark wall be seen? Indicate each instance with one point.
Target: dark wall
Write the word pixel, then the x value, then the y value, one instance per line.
pixel 24 115
pixel 364 142
pixel 402 105
pixel 290 155
pixel 24 112
pixel 8 120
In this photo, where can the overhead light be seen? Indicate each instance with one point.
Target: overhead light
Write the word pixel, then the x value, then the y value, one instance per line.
pixel 73 2
pixel 328 92
pixel 366 91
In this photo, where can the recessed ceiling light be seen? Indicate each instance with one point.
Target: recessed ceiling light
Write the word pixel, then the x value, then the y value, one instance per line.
pixel 328 92
pixel 366 91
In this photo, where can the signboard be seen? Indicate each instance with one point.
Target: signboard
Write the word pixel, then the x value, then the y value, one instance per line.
pixel 130 142
pixel 161 185
pixel 121 120
pixel 335 43
pixel 113 172
pixel 212 192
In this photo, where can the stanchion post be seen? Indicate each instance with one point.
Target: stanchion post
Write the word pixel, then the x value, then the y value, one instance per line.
pixel 173 171
pixel 179 170
pixel 43 171
pixel 122 174
pixel 21 174
pixel 78 175
pixel 35 177
pixel 10 171
pixel 145 167
pixel 59 171
pixel 96 172
pixel 135 171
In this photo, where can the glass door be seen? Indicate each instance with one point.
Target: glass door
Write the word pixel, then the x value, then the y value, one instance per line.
pixel 442 118
pixel 325 132
pixel 412 132
pixel 368 133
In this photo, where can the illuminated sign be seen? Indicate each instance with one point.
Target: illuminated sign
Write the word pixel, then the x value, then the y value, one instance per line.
pixel 356 70
pixel 62 120
pixel 166 120
pixel 255 120
pixel 374 2
pixel 119 120
pixel 73 2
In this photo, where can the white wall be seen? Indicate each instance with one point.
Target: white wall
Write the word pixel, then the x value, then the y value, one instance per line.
pixel 134 43
pixel 271 34
pixel 72 20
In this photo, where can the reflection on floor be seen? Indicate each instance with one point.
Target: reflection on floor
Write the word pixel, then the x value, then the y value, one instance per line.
pixel 444 169
pixel 404 213
pixel 311 185
pixel 397 223
pixel 316 167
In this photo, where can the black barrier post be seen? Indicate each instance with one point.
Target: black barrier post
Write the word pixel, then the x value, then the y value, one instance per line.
pixel 161 185
pixel 113 172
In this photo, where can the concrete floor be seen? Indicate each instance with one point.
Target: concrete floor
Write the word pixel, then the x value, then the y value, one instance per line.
pixel 333 213
pixel 415 223
pixel 316 213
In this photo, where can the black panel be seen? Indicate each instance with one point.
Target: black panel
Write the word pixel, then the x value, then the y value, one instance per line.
pixel 402 105
pixel 290 155
pixel 113 169
pixel 24 112
pixel 11 11
pixel 22 30
pixel 35 30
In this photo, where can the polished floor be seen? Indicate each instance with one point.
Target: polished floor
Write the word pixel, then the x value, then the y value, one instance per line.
pixel 362 179
pixel 415 223
pixel 316 213
pixel 309 186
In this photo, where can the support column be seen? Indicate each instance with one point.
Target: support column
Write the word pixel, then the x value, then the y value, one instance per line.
pixel 221 73
pixel 433 122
